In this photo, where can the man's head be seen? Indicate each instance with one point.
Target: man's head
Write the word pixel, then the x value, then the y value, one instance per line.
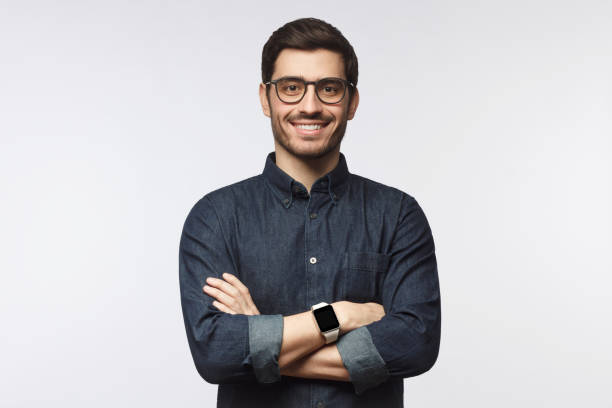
pixel 309 49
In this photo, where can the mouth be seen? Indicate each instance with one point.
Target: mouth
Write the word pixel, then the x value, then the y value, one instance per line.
pixel 309 128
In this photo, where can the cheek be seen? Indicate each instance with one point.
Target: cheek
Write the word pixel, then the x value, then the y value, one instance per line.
pixel 279 112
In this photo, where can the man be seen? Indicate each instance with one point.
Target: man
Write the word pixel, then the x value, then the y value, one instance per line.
pixel 256 256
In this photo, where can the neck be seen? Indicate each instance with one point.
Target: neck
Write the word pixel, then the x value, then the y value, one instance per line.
pixel 306 170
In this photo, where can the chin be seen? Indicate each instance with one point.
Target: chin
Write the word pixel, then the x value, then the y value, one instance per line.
pixel 310 151
pixel 295 144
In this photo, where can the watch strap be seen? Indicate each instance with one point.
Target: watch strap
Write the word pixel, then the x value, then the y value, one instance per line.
pixel 331 336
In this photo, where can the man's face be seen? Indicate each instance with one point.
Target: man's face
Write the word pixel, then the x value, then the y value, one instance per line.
pixel 286 118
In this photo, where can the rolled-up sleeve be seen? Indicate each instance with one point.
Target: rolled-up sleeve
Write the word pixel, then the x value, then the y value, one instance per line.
pixel 361 359
pixel 265 336
pixel 225 348
pixel 406 341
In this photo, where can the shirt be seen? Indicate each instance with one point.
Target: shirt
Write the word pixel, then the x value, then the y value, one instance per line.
pixel 349 238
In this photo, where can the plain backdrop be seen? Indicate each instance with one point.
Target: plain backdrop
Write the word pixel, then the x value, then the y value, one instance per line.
pixel 117 116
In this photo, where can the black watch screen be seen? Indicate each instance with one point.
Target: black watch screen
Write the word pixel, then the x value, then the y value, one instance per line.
pixel 326 318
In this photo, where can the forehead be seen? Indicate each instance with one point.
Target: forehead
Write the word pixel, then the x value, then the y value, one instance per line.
pixel 309 64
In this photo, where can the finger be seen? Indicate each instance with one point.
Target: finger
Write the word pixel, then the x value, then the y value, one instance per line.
pixel 236 282
pixel 223 286
pixel 222 307
pixel 241 302
pixel 220 296
pixel 246 295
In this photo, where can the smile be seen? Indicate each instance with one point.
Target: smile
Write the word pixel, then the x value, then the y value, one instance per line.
pixel 309 128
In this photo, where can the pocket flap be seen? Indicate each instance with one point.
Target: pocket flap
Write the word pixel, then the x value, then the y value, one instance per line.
pixel 370 261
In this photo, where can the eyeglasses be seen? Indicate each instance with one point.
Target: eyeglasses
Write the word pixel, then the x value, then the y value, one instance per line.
pixel 293 89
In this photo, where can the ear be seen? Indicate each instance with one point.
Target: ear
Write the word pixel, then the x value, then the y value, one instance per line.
pixel 353 104
pixel 263 98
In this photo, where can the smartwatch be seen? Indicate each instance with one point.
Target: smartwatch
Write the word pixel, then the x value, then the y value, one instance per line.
pixel 327 321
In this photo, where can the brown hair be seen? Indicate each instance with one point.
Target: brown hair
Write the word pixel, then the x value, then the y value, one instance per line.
pixel 308 34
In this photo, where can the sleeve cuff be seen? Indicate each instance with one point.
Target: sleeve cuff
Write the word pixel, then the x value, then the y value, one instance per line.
pixel 265 337
pixel 366 367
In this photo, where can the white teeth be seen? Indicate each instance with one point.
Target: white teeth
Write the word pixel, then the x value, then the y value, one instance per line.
pixel 309 127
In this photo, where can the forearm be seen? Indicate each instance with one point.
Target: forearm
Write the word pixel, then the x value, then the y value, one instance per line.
pixel 301 336
pixel 325 364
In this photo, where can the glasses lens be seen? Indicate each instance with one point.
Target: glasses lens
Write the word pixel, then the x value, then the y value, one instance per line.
pixel 290 89
pixel 330 90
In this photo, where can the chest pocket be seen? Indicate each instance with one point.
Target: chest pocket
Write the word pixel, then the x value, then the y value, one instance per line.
pixel 364 272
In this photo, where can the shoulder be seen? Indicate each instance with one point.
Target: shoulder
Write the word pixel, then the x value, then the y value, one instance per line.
pixel 386 199
pixel 232 194
pixel 225 199
pixel 379 192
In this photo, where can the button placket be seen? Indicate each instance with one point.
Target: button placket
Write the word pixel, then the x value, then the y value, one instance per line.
pixel 314 252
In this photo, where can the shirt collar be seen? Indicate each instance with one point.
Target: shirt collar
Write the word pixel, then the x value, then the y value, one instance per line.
pixel 287 187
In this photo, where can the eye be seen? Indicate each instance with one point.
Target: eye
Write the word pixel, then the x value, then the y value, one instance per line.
pixel 290 87
pixel 331 87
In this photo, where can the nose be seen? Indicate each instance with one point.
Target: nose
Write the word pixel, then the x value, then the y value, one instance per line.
pixel 310 103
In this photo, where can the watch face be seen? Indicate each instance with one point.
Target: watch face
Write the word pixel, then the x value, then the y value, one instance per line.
pixel 326 318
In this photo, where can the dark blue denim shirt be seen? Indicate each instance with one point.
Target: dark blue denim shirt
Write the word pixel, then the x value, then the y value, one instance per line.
pixel 350 238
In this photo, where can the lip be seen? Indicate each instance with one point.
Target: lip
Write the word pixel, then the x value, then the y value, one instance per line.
pixel 307 132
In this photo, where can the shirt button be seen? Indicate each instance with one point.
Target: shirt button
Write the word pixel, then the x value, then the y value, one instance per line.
pixel 313 215
pixel 320 404
pixel 313 260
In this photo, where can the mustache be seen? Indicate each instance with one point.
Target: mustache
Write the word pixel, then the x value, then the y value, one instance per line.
pixel 315 116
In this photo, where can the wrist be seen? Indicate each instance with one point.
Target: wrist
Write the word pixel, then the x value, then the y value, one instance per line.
pixel 343 315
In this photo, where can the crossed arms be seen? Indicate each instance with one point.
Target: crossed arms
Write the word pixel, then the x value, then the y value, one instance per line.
pixel 231 345
pixel 303 352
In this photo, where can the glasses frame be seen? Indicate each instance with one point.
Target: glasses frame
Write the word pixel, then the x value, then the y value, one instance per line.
pixel 306 83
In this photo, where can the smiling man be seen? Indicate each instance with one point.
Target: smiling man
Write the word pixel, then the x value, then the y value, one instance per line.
pixel 309 127
pixel 308 285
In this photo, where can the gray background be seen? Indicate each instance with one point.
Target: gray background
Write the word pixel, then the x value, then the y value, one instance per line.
pixel 116 117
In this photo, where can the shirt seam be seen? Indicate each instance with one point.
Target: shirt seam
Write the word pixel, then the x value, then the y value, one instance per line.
pixel 227 246
pixel 397 222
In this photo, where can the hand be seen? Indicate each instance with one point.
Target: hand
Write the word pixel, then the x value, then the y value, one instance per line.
pixel 353 315
pixel 231 294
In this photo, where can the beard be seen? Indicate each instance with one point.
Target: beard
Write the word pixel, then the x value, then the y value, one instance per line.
pixel 283 139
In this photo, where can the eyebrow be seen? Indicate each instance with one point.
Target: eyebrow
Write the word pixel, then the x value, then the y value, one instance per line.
pixel 304 79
